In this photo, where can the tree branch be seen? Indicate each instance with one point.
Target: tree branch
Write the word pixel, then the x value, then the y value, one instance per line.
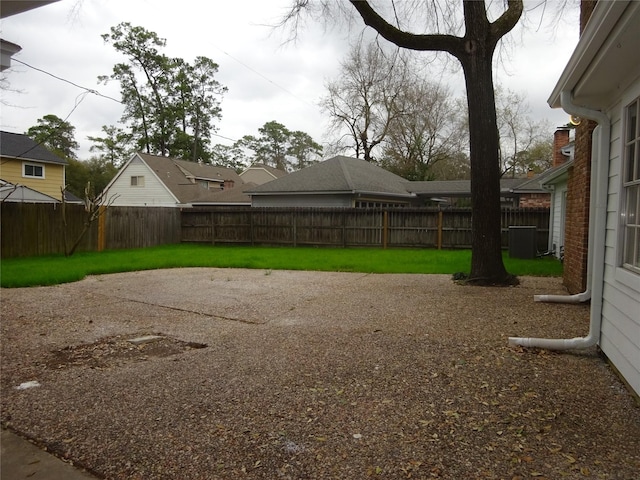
pixel 433 42
pixel 508 20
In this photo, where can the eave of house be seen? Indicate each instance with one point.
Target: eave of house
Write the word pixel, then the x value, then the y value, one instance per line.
pixel 7 50
pixel 609 43
pixel 310 192
pixel 13 7
pixel 559 174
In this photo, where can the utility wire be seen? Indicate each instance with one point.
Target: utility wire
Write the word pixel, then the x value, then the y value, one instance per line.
pixel 88 90
pixel 264 77
pixel 79 99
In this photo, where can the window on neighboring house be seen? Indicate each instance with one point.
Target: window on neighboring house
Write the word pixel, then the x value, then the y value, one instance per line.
pixel 32 170
pixel 631 189
pixel 137 181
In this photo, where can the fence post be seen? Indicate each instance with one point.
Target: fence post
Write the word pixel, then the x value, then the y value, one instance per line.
pixel 294 229
pixel 213 228
pixel 440 214
pixel 344 227
pixel 102 223
pixel 385 229
pixel 251 226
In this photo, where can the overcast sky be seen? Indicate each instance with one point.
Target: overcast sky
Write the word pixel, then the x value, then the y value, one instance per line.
pixel 266 79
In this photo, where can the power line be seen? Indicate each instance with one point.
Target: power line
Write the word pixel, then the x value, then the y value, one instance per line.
pixel 264 77
pixel 79 99
pixel 88 90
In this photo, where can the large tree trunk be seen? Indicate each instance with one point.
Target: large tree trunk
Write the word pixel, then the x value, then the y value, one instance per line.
pixel 475 53
pixel 486 257
pixel 487 266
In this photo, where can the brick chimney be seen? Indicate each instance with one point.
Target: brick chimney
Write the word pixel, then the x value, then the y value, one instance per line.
pixel 560 139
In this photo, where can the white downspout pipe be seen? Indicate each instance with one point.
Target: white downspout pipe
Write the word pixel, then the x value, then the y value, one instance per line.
pixel 597 230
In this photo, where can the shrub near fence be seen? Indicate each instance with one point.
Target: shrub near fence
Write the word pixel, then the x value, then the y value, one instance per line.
pixel 349 227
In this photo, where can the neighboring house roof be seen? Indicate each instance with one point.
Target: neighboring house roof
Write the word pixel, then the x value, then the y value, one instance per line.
pixel 462 188
pixel 233 196
pixel 337 175
pixel 555 174
pixel 266 169
pixel 21 194
pixel 71 198
pixel 530 185
pixel 182 178
pixel 21 147
pixel 340 175
pixel 444 188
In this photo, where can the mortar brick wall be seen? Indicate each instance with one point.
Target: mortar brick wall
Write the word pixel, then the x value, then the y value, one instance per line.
pixel 560 139
pixel 577 221
pixel 535 200
pixel 577 216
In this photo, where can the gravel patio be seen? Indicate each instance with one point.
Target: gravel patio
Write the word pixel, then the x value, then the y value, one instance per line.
pixel 306 375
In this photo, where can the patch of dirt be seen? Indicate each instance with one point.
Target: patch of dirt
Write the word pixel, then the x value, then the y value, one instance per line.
pixel 117 350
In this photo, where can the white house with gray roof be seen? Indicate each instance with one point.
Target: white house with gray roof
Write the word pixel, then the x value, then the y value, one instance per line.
pixel 154 181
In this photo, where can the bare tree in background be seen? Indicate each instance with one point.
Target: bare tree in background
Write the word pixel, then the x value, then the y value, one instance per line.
pixel 432 130
pixel 523 141
pixel 364 101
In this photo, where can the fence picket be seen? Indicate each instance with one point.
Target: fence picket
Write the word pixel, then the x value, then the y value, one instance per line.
pixel 36 229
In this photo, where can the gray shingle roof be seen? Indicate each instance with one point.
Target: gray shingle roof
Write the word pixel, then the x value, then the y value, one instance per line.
pixel 337 175
pixel 441 187
pixel 176 174
pixel 462 188
pixel 231 196
pixel 276 172
pixel 17 145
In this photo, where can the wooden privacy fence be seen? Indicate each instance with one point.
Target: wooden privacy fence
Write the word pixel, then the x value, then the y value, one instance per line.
pixel 36 228
pixel 350 227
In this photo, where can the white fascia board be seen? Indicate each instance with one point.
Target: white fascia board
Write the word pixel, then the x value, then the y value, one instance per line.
pixel 603 20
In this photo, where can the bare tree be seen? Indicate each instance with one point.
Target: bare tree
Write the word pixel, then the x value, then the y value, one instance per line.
pixel 364 101
pixel 472 41
pixel 94 207
pixel 433 129
pixel 519 134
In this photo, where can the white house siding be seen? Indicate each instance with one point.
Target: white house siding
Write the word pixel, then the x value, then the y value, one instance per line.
pixel 558 200
pixel 620 331
pixel 153 194
pixel 301 201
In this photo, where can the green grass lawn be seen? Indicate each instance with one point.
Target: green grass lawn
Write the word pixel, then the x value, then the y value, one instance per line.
pixel 55 269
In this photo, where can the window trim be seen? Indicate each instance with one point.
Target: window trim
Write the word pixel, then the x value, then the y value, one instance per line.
pixel 36 165
pixel 625 184
pixel 138 183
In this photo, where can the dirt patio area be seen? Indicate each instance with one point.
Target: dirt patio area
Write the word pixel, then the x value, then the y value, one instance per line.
pixel 229 373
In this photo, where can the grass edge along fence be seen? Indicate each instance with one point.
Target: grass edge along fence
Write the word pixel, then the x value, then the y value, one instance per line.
pixel 36 229
pixel 56 269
